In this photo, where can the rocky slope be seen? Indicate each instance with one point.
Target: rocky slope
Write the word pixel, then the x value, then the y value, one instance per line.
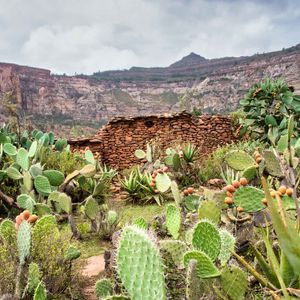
pixel 65 103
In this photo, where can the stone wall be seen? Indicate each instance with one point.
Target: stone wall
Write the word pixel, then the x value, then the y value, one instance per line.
pixel 117 141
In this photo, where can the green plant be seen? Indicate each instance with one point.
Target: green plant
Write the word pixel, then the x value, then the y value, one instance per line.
pixel 173 220
pixel 103 288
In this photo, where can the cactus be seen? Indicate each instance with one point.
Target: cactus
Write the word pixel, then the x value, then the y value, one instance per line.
pixel 34 277
pixel 141 223
pixel 56 178
pixel 250 173
pixel 239 160
pixel 249 198
pixel 272 164
pixel 13 173
pixel 40 292
pixel 36 170
pixel 234 282
pixel 205 268
pixel 140 154
pixel 112 217
pixel 61 144
pixel 192 202
pixel 42 209
pixel 176 249
pixel 89 157
pixel 26 202
pixel 176 162
pixel 227 246
pixel 206 238
pixel 62 202
pixel 176 193
pixel 24 241
pixel 8 231
pixel 117 297
pixel 72 253
pixel 173 220
pixel 27 182
pixel 103 288
pixel 140 266
pixel 91 208
pixel 23 159
pixel 9 149
pixel 32 149
pixel 44 226
pixel 208 209
pixel 163 182
pixel 42 185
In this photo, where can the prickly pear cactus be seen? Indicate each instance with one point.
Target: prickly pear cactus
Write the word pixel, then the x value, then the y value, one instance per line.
pixel 24 241
pixel 249 198
pixel 227 245
pixel 141 223
pixel 272 164
pixel 173 220
pixel 9 149
pixel 72 253
pixel 91 208
pixel 56 178
pixel 8 231
pixel 239 160
pixel 163 182
pixel 205 267
pixel 176 193
pixel 42 185
pixel 103 288
pixel 112 217
pixel 250 173
pixel 140 266
pixel 206 238
pixel 117 297
pixel 26 202
pixel 176 249
pixel 140 154
pixel 34 277
pixel 40 292
pixel 234 282
pixel 23 159
pixel 208 209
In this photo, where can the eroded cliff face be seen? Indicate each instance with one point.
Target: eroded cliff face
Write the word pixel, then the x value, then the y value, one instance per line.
pixel 61 103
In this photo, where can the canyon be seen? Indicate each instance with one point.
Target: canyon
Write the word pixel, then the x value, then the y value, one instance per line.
pixel 81 104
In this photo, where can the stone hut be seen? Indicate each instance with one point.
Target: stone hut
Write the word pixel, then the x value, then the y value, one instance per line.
pixel 117 141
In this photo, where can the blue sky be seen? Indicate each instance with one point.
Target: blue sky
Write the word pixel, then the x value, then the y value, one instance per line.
pixel 84 36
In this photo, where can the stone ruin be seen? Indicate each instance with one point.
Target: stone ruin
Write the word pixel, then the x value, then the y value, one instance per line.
pixel 117 141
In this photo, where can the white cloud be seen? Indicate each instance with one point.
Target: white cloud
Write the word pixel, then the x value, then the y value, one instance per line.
pixel 84 36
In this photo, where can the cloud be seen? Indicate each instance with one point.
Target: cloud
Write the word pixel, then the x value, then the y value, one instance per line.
pixel 86 36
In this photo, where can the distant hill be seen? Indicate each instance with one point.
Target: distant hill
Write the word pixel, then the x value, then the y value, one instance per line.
pixel 70 104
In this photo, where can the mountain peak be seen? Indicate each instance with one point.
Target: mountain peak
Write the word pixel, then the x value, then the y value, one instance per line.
pixel 189 60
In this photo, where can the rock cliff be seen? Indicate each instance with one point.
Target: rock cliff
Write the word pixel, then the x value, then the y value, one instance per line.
pixel 65 103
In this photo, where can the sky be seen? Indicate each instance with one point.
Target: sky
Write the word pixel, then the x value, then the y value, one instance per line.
pixel 85 36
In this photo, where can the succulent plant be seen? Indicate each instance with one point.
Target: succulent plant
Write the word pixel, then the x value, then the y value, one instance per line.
pixel 227 246
pixel 103 288
pixel 173 220
pixel 239 160
pixel 40 292
pixel 208 209
pixel 34 277
pixel 24 241
pixel 42 185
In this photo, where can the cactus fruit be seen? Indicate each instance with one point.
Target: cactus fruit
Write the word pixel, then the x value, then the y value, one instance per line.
pixel 40 292
pixel 163 182
pixel 140 266
pixel 249 198
pixel 26 202
pixel 103 288
pixel 272 164
pixel 56 178
pixel 34 277
pixel 234 282
pixel 24 241
pixel 23 159
pixel 239 160
pixel 173 220
pixel 227 245
pixel 42 185
pixel 250 173
pixel 91 208
pixel 141 223
pixel 9 149
pixel 205 268
pixel 206 238
pixel 72 253
pixel 176 249
pixel 208 209
pixel 176 193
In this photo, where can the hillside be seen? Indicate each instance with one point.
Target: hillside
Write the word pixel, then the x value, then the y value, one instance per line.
pixel 61 103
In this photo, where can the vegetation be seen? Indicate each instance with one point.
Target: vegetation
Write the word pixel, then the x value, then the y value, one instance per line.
pixel 164 232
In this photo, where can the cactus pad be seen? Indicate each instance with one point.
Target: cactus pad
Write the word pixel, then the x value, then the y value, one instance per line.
pixel 24 241
pixel 89 157
pixel 72 253
pixel 9 149
pixel 227 245
pixel 173 220
pixel 40 292
pixel 205 267
pixel 140 266
pixel 103 288
pixel 141 223
pixel 176 249
pixel 208 209
pixel 13 173
pixel 140 154
pixel 23 159
pixel 239 160
pixel 26 202
pixel 112 217
pixel 32 149
pixel 42 209
pixel 91 208
pixel 234 282
pixel 250 173
pixel 272 165
pixel 206 238
pixel 34 277
pixel 176 193
pixel 249 198
pixel 117 297
pixel 56 178
pixel 163 182
pixel 42 185
pixel 7 230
